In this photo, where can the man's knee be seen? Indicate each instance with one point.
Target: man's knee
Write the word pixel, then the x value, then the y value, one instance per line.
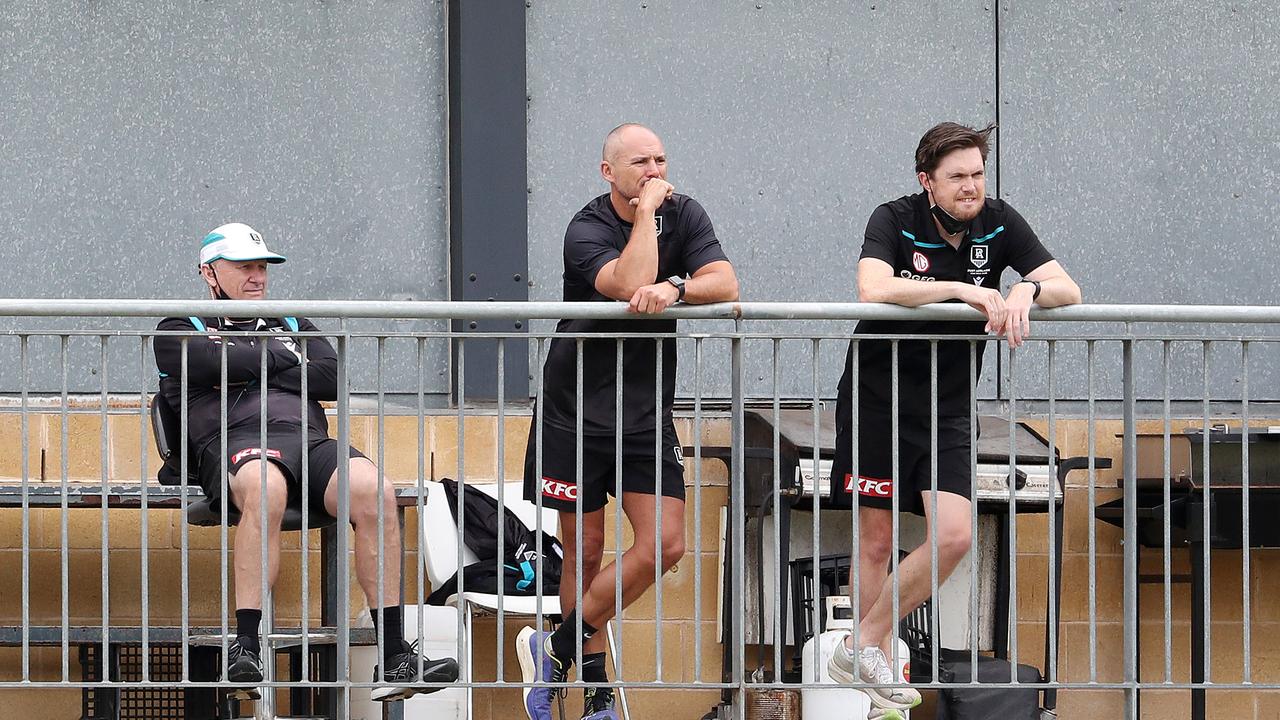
pixel 370 492
pixel 672 549
pixel 246 487
pixel 954 540
pixel 875 535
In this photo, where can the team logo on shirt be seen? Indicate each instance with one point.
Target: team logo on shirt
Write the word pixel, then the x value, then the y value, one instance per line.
pixel 557 490
pixel 978 256
pixel 919 261
pixel 657 224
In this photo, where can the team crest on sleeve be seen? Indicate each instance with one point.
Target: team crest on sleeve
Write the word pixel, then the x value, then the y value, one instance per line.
pixel 919 261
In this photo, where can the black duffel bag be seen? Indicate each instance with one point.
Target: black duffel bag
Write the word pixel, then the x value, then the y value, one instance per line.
pixel 979 703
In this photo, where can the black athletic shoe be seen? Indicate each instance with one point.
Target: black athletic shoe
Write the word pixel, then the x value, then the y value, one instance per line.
pixel 402 673
pixel 244 667
pixel 597 704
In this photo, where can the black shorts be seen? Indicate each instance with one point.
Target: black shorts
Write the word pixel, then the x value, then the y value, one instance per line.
pixel 284 448
pixel 558 483
pixel 876 483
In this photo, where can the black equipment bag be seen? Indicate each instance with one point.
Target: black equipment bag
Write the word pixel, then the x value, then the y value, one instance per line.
pixel 517 567
pixel 970 703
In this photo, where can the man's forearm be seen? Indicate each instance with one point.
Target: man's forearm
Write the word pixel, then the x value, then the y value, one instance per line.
pixel 638 264
pixel 909 293
pixel 719 286
pixel 1058 291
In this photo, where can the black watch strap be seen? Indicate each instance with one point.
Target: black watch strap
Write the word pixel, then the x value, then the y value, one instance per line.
pixel 679 283
pixel 1035 295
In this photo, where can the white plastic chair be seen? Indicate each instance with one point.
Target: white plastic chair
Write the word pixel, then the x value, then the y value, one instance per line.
pixel 440 556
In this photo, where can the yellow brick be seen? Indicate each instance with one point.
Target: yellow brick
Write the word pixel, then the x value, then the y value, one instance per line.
pixel 480 448
pixel 84 438
pixel 400 449
pixel 124 525
pixel 11 465
pixel 42 703
pixel 639 651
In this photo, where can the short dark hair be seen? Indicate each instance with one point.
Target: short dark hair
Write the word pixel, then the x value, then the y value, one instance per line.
pixel 947 137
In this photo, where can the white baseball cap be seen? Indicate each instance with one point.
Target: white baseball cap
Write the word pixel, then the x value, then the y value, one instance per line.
pixel 236 242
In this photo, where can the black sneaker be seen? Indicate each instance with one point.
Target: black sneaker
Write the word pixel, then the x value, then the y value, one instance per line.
pixel 402 673
pixel 244 667
pixel 597 704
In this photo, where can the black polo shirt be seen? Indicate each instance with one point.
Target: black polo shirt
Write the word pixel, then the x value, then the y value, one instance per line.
pixel 903 234
pixel 596 235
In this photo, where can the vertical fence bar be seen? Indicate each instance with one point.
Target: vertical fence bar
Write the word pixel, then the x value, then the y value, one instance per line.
pixel 144 578
pixel 305 490
pixel 579 346
pixel 223 504
pixel 976 621
pixel 1093 529
pixel 184 541
pixel 380 639
pixel 816 420
pixel 267 597
pixel 779 620
pixel 738 500
pixel 1206 570
pixel 658 550
pixel 464 640
pixel 64 559
pixel 697 508
pixel 855 496
pixel 535 431
pixel 1246 576
pixel 933 510
pixel 1054 589
pixel 1166 500
pixel 502 507
pixel 895 465
pixel 419 506
pixel 617 507
pixel 104 460
pixel 343 605
pixel 1012 519
pixel 26 512
pixel 1130 535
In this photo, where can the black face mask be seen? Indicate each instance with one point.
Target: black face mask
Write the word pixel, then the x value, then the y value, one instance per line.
pixel 218 294
pixel 948 221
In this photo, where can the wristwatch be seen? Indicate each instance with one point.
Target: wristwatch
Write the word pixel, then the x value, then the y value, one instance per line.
pixel 1035 294
pixel 679 283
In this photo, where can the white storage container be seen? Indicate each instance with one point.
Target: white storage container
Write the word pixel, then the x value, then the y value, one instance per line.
pixel 836 703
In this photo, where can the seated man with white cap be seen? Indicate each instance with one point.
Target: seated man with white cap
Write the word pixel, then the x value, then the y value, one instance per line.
pixel 233 264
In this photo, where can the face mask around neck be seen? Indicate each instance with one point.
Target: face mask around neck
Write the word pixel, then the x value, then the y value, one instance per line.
pixel 949 223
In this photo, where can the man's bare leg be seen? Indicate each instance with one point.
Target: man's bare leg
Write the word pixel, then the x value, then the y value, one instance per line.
pixel 592 556
pixel 366 497
pixel 639 562
pixel 246 492
pixel 952 527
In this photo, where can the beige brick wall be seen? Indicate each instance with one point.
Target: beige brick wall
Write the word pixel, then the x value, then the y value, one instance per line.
pixel 682 637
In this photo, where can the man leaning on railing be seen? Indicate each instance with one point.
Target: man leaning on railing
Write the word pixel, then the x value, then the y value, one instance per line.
pixel 233 264
pixel 948 243
pixel 642 244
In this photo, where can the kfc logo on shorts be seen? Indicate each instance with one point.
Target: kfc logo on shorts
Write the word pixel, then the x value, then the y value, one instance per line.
pixel 873 487
pixel 559 490
pixel 253 452
pixel 919 261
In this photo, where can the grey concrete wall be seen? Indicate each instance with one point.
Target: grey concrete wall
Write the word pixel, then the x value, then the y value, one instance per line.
pixel 133 127
pixel 1135 137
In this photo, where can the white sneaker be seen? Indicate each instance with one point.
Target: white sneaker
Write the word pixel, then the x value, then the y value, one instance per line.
pixel 873 667
pixel 870 666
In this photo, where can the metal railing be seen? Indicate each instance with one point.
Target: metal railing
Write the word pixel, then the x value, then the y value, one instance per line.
pixel 762 342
